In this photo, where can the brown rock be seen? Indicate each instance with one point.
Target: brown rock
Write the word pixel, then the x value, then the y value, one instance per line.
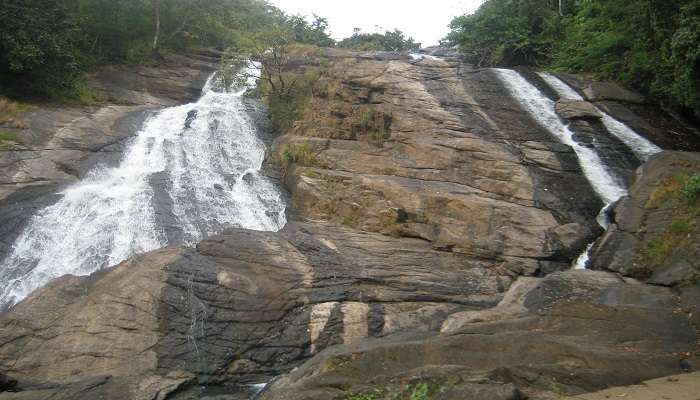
pixel 575 109
pixel 567 333
pixel 654 234
pixel 599 91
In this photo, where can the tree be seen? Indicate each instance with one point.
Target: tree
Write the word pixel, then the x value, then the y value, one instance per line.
pixel 39 46
pixel 388 41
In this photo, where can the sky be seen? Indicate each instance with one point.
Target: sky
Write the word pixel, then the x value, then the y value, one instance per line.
pixel 426 21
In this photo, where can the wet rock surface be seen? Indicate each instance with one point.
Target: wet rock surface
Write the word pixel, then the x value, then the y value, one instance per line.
pixel 433 226
pixel 60 144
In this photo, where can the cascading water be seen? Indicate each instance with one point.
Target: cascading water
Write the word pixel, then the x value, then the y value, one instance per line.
pixel 543 111
pixel 640 146
pixel 191 171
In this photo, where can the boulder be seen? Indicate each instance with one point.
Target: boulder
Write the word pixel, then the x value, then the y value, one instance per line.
pixel 600 91
pixel 654 234
pixel 575 109
pixel 241 308
pixel 568 333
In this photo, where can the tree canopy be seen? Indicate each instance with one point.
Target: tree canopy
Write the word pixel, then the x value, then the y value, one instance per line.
pixel 46 46
pixel 652 45
pixel 388 41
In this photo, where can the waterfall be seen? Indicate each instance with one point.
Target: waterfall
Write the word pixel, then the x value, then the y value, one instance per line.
pixel 191 171
pixel 543 111
pixel 640 146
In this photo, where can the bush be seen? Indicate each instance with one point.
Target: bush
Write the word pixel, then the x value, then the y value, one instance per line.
pixel 39 47
pixel 691 188
pixel 296 153
pixel 388 41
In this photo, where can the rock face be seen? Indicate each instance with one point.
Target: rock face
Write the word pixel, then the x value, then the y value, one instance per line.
pixel 654 232
pixel 599 91
pixel 569 332
pixel 244 305
pixel 432 150
pixel 429 217
pixel 574 109
pixel 60 144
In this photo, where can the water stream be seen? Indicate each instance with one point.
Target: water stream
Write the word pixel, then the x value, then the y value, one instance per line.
pixel 191 171
pixel 639 145
pixel 609 187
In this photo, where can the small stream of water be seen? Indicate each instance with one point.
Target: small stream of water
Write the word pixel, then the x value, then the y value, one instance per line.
pixel 542 109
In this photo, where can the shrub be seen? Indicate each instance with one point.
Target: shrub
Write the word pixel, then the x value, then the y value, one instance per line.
pixel 691 188
pixel 370 124
pixel 5 138
pixel 296 153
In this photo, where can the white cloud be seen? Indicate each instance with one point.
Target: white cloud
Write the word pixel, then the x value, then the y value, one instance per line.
pixel 426 21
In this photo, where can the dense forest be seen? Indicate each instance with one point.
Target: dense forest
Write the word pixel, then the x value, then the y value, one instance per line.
pixel 652 45
pixel 47 46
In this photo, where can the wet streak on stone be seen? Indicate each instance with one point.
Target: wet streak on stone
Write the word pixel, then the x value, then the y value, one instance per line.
pixel 565 191
pixel 617 157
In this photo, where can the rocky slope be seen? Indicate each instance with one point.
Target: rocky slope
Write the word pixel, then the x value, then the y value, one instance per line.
pixel 434 223
pixel 59 144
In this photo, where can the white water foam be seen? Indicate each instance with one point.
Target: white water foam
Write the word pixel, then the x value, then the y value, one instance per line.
pixel 639 145
pixel 542 109
pixel 212 179
pixel 420 56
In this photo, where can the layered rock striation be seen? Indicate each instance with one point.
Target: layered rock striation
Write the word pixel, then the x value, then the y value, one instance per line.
pixel 433 226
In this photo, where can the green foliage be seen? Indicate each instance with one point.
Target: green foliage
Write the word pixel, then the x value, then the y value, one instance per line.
pixel 6 138
pixel 313 33
pixel 420 392
pixel 651 45
pixel 363 396
pixel 388 41
pixel 417 391
pixel 296 153
pixel 507 32
pixel 47 46
pixel 39 46
pixel 370 125
pixel 691 188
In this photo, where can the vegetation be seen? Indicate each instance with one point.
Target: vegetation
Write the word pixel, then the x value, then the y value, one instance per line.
pixel 6 138
pixel 681 194
pixel 652 45
pixel 370 125
pixel 416 391
pixel 47 46
pixel 388 41
pixel 296 153
pixel 10 113
pixel 691 189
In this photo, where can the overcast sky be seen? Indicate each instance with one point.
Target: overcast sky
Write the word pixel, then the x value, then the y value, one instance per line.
pixel 425 21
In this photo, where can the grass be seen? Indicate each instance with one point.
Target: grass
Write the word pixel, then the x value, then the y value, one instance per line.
pixel 296 153
pixel 676 237
pixel 416 391
pixel 370 125
pixel 11 113
pixel 682 186
pixel 6 138
pixel 683 193
pixel 363 396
